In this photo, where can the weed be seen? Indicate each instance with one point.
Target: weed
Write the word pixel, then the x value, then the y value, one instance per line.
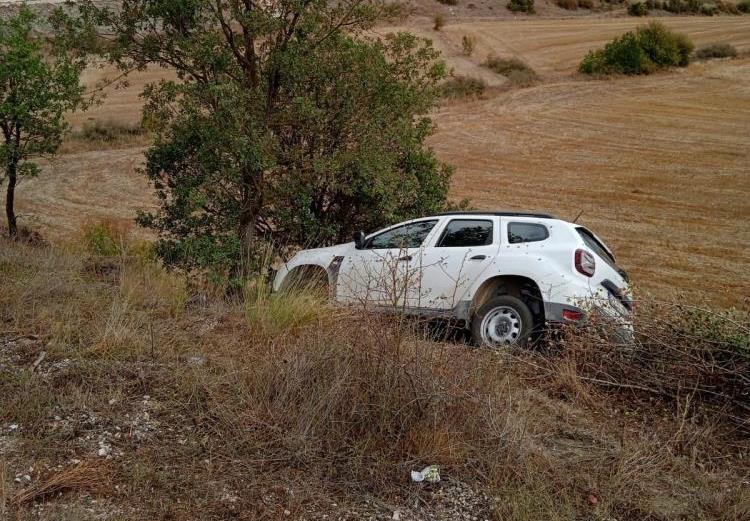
pixel 468 42
pixel 438 22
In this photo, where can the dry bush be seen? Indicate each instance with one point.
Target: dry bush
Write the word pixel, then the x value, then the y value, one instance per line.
pixel 715 50
pixel 468 42
pixel 516 70
pixel 567 4
pixel 679 351
pixel 438 22
pixel 105 133
pixel 458 87
pixel 109 131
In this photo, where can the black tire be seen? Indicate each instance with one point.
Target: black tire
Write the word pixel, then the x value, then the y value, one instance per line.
pixel 513 319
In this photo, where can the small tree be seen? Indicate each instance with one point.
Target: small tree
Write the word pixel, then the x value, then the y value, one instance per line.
pixel 36 90
pixel 289 122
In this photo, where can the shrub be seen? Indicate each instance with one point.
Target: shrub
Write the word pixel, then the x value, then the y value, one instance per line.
pixel 448 2
pixel 708 9
pixel 650 47
pixel 715 50
pixel 468 43
pixel 567 4
pixel 704 8
pixel 586 4
pixel 638 9
pixel 743 6
pixel 678 351
pixel 438 22
pixel 623 55
pixel 107 237
pixel 517 71
pixel 521 6
pixel 664 47
pixel 463 87
pixel 109 131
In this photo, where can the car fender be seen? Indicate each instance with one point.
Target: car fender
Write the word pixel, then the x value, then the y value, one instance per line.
pixel 321 257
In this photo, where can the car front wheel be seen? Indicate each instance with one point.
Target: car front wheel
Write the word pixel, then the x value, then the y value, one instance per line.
pixel 502 322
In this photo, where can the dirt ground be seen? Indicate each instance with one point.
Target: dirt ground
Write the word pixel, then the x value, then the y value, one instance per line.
pixel 658 165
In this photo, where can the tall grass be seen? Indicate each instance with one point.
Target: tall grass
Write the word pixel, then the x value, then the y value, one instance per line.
pixel 282 399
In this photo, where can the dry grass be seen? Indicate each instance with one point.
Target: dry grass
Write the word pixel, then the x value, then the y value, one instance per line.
pixel 659 166
pixel 89 476
pixel 282 401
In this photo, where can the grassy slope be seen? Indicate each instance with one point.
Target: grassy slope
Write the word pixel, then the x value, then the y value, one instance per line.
pixel 162 403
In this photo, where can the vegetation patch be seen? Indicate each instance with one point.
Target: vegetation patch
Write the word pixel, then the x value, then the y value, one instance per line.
pixel 695 6
pixel 638 9
pixel 458 87
pixel 438 22
pixel 468 42
pixel 644 51
pixel 715 50
pixel 516 70
pixel 134 394
pixel 109 131
pixel 521 6
pixel 572 5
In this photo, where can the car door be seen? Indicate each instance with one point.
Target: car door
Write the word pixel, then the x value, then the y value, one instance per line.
pixel 460 252
pixel 383 272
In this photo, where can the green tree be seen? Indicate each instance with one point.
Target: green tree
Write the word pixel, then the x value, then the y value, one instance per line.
pixel 288 122
pixel 36 89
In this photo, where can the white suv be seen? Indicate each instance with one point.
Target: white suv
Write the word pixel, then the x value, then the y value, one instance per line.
pixel 503 274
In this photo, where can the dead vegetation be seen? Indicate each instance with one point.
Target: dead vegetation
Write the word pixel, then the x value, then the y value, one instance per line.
pixel 515 69
pixel 204 408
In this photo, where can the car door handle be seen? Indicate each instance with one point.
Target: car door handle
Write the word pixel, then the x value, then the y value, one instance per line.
pixel 405 258
pixel 478 257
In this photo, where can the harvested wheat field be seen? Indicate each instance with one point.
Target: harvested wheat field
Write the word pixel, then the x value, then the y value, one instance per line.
pixel 659 165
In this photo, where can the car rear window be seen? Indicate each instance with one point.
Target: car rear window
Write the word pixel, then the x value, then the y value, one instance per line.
pixel 593 243
pixel 466 232
pixel 526 232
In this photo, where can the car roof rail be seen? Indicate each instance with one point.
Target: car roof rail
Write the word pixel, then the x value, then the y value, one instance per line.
pixel 501 214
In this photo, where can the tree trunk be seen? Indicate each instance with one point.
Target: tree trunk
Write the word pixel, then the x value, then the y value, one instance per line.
pixel 9 199
pixel 252 203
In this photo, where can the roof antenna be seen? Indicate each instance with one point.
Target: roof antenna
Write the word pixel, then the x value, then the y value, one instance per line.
pixel 577 216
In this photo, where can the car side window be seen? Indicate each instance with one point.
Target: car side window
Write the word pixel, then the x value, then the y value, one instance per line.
pixel 466 232
pixel 526 232
pixel 407 236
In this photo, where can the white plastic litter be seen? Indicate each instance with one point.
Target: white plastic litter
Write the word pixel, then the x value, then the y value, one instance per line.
pixel 430 474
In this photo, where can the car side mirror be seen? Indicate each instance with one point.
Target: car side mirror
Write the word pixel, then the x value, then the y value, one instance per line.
pixel 359 240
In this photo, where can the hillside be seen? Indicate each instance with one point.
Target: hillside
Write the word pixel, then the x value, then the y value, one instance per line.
pixel 126 394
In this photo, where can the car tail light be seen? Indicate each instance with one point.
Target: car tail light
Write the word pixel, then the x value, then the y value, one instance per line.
pixel 572 315
pixel 585 263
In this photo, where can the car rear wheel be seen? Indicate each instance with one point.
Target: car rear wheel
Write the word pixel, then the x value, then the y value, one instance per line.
pixel 502 322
